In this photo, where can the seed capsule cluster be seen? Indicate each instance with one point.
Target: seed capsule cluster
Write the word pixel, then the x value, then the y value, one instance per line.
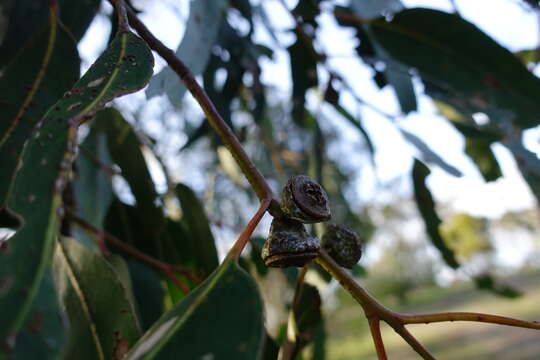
pixel 304 201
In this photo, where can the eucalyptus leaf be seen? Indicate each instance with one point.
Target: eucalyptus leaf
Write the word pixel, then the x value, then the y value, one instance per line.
pixel 426 206
pixel 202 29
pixel 429 155
pixel 470 67
pixel 101 315
pixel 124 67
pixel 222 318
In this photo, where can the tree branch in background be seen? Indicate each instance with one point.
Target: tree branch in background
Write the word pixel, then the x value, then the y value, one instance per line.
pixel 168 270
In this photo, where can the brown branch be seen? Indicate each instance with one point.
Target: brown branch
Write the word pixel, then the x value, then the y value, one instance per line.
pixel 166 269
pixel 413 343
pixel 255 178
pixel 120 6
pixel 469 316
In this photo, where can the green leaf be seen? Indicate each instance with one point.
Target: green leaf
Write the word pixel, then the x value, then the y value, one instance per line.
pixel 26 18
pixel 303 59
pixel 222 318
pixel 42 71
pixel 429 155
pixel 102 321
pixel 307 313
pixel 469 66
pixel 93 189
pixel 124 67
pixel 202 29
pixel 148 292
pixel 479 150
pixel 198 226
pixel 426 206
pixel 42 336
pixel 527 162
pixel 487 282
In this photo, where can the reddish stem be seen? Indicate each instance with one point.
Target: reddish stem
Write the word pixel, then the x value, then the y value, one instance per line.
pixel 244 237
pixel 468 316
pixel 166 269
pixel 374 326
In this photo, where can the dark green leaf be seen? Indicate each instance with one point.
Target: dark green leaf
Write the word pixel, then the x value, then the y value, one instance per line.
pixel 42 336
pixel 222 318
pixel 303 58
pixel 198 227
pixel 124 67
pixel 426 206
pixel 42 71
pixel 93 189
pixel 202 29
pixel 487 282
pixel 470 66
pixel 479 150
pixel 148 292
pixel 527 161
pixel 102 320
pixel 26 18
pixel 307 313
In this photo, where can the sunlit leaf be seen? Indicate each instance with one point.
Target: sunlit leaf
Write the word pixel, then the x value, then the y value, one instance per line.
pixel 222 318
pixel 102 320
pixel 426 206
pixel 124 67
pixel 202 28
pixel 470 67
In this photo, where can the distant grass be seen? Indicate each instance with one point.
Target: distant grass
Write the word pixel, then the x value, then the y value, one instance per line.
pixel 350 338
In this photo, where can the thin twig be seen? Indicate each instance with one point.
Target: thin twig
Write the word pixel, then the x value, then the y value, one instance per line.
pixel 122 15
pixel 244 237
pixel 374 327
pixel 413 343
pixel 468 316
pixel 255 178
pixel 166 269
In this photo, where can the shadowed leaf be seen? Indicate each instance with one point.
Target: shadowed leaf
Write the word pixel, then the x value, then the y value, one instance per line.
pixel 222 318
pixel 124 67
pixel 426 206
pixel 101 316
pixel 471 68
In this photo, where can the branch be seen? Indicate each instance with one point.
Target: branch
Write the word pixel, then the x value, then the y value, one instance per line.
pixel 244 237
pixel 255 178
pixel 166 269
pixel 120 6
pixel 374 327
pixel 415 344
pixel 469 316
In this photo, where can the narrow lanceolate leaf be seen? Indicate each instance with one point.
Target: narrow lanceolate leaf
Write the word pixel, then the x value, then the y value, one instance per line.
pixel 429 155
pixel 479 150
pixel 202 29
pixel 426 206
pixel 101 315
pixel 204 249
pixel 46 162
pixel 221 319
pixel 527 161
pixel 43 70
pixel 471 69
pixel 93 184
